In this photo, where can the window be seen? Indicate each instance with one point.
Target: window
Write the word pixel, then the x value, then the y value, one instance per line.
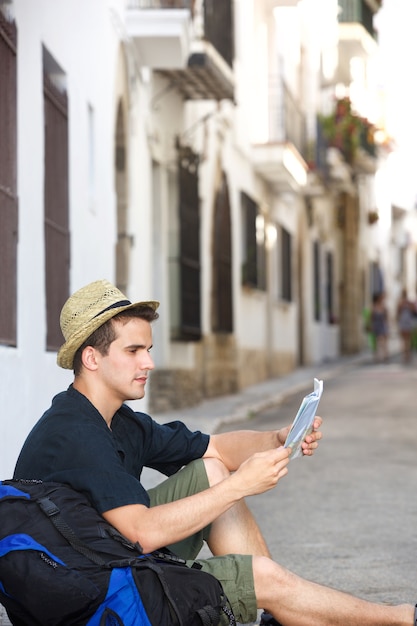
pixel 124 240
pixel 376 279
pixel 8 183
pixel 222 262
pixel 185 264
pixel 57 239
pixel 286 265
pixel 329 288
pixel 316 281
pixel 253 247
pixel 218 27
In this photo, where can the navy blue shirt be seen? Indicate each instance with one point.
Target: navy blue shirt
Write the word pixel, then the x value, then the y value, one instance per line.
pixel 72 444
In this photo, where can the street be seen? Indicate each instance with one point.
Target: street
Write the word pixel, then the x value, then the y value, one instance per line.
pixel 347 517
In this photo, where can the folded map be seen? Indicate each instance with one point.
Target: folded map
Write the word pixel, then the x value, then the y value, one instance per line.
pixel 303 421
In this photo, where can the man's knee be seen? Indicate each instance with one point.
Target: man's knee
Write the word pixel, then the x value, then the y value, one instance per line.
pixel 216 471
pixel 270 580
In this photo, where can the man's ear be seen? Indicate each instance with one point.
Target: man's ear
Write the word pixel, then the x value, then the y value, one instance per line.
pixel 89 359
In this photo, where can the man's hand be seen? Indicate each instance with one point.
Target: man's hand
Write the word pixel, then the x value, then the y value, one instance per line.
pixel 235 447
pixel 310 443
pixel 261 471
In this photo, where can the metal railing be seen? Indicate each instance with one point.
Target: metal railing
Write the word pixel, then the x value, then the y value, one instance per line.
pixel 286 119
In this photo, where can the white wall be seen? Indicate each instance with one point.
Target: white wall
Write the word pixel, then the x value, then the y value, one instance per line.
pixel 83 39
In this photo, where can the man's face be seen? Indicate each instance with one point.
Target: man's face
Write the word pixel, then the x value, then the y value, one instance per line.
pixel 124 370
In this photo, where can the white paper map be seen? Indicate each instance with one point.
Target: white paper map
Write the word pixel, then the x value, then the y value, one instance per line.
pixel 303 422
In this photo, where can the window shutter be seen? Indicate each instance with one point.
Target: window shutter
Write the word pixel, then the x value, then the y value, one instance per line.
pixel 250 267
pixel 57 239
pixel 8 183
pixel 222 263
pixel 189 214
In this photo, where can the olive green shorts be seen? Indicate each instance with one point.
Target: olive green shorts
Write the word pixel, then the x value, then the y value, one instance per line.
pixel 234 571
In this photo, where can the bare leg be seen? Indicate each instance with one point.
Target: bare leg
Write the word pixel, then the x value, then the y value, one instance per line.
pixel 236 531
pixel 294 601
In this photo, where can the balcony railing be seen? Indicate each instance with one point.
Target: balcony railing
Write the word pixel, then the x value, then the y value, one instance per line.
pixel 286 120
pixel 357 11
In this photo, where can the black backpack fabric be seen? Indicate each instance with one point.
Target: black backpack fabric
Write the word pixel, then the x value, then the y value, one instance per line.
pixel 61 563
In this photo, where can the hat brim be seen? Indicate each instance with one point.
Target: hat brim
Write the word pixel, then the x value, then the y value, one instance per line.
pixel 66 353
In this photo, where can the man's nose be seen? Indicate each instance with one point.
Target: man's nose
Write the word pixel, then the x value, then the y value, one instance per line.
pixel 148 362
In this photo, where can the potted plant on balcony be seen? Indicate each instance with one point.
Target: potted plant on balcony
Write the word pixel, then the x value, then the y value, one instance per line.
pixel 348 132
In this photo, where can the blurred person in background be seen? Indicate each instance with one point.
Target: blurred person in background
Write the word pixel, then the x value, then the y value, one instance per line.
pixel 406 323
pixel 379 327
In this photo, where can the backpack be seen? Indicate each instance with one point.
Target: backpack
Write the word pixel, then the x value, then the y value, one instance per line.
pixel 61 563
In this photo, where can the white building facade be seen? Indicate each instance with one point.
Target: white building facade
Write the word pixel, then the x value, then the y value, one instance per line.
pixel 172 148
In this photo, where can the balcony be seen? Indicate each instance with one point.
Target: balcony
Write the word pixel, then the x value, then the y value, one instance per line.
pixel 357 36
pixel 280 165
pixel 187 42
pixel 281 160
pixel 352 136
pixel 161 36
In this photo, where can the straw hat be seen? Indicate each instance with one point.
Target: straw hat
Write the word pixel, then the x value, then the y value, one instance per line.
pixel 88 309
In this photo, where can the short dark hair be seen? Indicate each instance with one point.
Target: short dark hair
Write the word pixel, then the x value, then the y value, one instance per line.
pixel 104 335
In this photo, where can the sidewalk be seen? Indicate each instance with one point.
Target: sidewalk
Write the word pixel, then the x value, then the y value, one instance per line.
pixel 210 414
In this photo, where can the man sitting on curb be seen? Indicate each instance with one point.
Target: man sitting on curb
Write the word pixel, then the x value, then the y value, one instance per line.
pixel 94 442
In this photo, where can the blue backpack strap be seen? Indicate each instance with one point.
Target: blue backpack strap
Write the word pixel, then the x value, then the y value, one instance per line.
pixel 7 491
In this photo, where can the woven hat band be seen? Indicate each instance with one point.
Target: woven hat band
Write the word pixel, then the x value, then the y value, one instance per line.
pixel 114 306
